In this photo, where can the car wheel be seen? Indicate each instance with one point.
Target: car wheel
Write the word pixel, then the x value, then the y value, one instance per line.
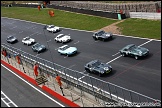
pixel 100 74
pixel 88 70
pixel 123 54
pixel 136 57
pixel 94 38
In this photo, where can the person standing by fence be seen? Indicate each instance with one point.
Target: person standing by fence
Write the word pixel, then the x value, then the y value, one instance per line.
pixel 58 79
pixel 36 69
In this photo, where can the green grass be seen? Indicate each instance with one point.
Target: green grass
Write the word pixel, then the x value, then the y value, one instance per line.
pixel 61 18
pixel 131 27
pixel 141 28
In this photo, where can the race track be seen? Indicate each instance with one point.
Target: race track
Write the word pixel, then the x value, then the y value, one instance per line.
pixel 142 76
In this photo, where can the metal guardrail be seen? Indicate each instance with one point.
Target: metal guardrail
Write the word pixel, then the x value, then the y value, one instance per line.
pixel 105 91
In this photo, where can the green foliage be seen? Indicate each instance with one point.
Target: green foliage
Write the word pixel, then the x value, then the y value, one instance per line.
pixel 141 28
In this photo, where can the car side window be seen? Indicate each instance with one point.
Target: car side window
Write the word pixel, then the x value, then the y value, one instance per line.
pixel 89 65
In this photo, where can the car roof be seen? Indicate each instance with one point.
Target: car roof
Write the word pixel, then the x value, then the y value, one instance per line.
pixel 10 36
pixel 99 31
pixel 93 61
pixel 59 35
pixel 26 37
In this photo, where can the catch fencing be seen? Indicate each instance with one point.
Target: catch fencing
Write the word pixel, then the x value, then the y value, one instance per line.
pixel 103 93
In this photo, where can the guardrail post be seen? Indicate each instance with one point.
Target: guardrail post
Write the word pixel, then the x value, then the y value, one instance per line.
pixel 93 88
pixel 130 96
pixel 53 83
pixel 123 94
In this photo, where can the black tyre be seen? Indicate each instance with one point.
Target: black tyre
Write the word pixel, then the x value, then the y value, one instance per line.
pixel 123 54
pixel 88 70
pixel 94 38
pixel 100 75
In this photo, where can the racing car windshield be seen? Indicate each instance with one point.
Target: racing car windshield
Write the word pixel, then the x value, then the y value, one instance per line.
pixel 133 47
pixel 51 26
pixel 100 33
pixel 27 38
pixel 11 37
pixel 97 63
pixel 61 36
pixel 64 48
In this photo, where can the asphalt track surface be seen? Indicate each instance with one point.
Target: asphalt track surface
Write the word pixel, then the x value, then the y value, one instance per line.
pixel 142 76
pixel 20 94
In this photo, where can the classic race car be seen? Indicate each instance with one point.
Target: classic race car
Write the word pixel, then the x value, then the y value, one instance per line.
pixel 97 67
pixel 134 51
pixel 52 28
pixel 62 38
pixel 28 41
pixel 102 35
pixel 66 50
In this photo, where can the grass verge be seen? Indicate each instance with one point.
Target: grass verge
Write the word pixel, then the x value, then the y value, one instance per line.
pixel 132 27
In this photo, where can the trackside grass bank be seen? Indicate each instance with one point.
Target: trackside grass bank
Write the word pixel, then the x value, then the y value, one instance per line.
pixel 141 28
pixel 61 18
pixel 132 27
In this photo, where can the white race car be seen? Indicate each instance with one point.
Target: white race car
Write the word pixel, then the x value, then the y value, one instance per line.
pixel 62 38
pixel 52 28
pixel 28 41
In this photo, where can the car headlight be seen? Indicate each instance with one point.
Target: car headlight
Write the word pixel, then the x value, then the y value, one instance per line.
pixel 106 68
pixel 101 71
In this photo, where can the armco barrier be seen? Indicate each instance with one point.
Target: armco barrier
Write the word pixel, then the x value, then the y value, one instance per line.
pixel 98 90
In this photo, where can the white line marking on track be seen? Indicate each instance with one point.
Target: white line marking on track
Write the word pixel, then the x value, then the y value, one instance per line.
pixel 37 55
pixel 21 31
pixel 13 27
pixel 49 41
pixel 34 27
pixel 34 87
pixel 81 77
pixel 113 59
pixel 146 42
pixel 76 42
pixel 121 55
pixel 39 33
pixel 71 66
pixel 8 99
pixel 116 53
pixel 33 33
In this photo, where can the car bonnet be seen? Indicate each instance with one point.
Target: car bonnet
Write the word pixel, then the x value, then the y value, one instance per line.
pixel 71 49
